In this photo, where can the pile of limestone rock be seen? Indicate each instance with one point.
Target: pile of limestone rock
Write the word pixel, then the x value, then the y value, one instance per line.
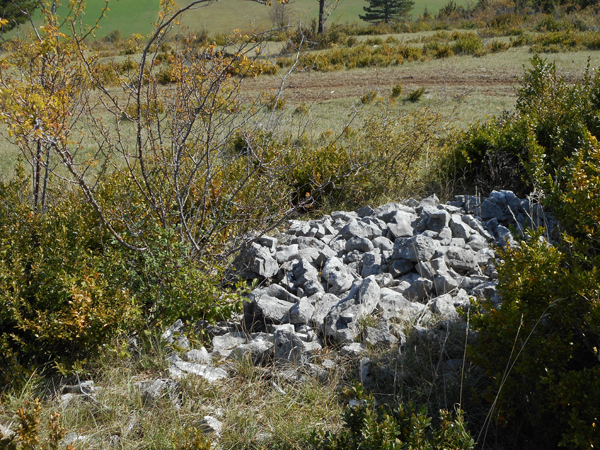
pixel 353 280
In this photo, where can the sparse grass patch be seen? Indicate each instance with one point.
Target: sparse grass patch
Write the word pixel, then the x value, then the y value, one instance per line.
pixel 254 413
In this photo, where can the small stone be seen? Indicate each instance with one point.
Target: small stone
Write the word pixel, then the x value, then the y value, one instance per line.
pixel 353 349
pixel 302 311
pixel 437 220
pixel 6 432
pixel 269 242
pixel 425 269
pixel 444 306
pixel 394 305
pixel 152 390
pixel 259 350
pixel 490 209
pixel 328 364
pixel 322 308
pixel 200 356
pixel 364 371
pixel 416 248
pixel 286 253
pixel 459 228
pixel 307 242
pixel 289 348
pixel 461 259
pixel 223 345
pixel 400 226
pixel 379 338
pixel 371 264
pixel 383 243
pixel 309 254
pixel 281 293
pixel 359 243
pixel 364 211
pixel 172 331
pixel 369 294
pixel 211 374
pixel 401 267
pixel 210 424
pixel 67 399
pixel 444 283
pixel 74 438
pixel 183 343
pixel 324 254
pixel 337 278
pixel 354 229
pixel 82 388
pixel 419 290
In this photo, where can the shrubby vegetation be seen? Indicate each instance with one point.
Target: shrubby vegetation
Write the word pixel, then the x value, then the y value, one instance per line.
pixel 553 119
pixel 132 209
pixel 126 222
pixel 540 347
pixel 403 427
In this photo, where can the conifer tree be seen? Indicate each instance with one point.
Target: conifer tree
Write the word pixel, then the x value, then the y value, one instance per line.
pixel 386 10
pixel 15 11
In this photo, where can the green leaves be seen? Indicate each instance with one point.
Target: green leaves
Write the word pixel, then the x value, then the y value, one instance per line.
pixel 401 428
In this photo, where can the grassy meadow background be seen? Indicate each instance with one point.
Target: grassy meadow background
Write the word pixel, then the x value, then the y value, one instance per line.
pixel 135 16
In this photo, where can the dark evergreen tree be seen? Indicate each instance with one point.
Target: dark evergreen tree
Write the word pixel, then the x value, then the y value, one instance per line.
pixel 15 11
pixel 386 10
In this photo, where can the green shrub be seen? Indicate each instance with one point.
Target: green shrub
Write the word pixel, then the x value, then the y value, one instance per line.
pixel 166 76
pixel 369 97
pixel 396 91
pixel 60 295
pixel 301 110
pixel 403 427
pixel 438 50
pixel 498 46
pixel 493 155
pixel 415 96
pixel 468 44
pixel 540 347
pixel 67 289
pixel 553 119
pixel 550 23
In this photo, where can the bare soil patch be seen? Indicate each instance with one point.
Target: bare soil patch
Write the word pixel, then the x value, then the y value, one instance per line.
pixel 493 75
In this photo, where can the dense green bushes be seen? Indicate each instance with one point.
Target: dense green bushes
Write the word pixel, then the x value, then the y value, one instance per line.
pixel 540 347
pixel 67 290
pixel 552 121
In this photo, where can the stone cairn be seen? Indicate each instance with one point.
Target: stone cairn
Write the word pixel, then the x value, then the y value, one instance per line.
pixel 322 282
pixel 350 281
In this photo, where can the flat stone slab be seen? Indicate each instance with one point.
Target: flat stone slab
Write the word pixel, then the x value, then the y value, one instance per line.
pixel 181 369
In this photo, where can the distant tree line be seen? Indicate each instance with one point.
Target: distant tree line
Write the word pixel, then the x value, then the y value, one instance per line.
pixel 452 8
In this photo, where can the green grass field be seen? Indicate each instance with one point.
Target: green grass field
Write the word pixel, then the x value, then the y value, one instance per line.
pixel 128 16
pixel 136 16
